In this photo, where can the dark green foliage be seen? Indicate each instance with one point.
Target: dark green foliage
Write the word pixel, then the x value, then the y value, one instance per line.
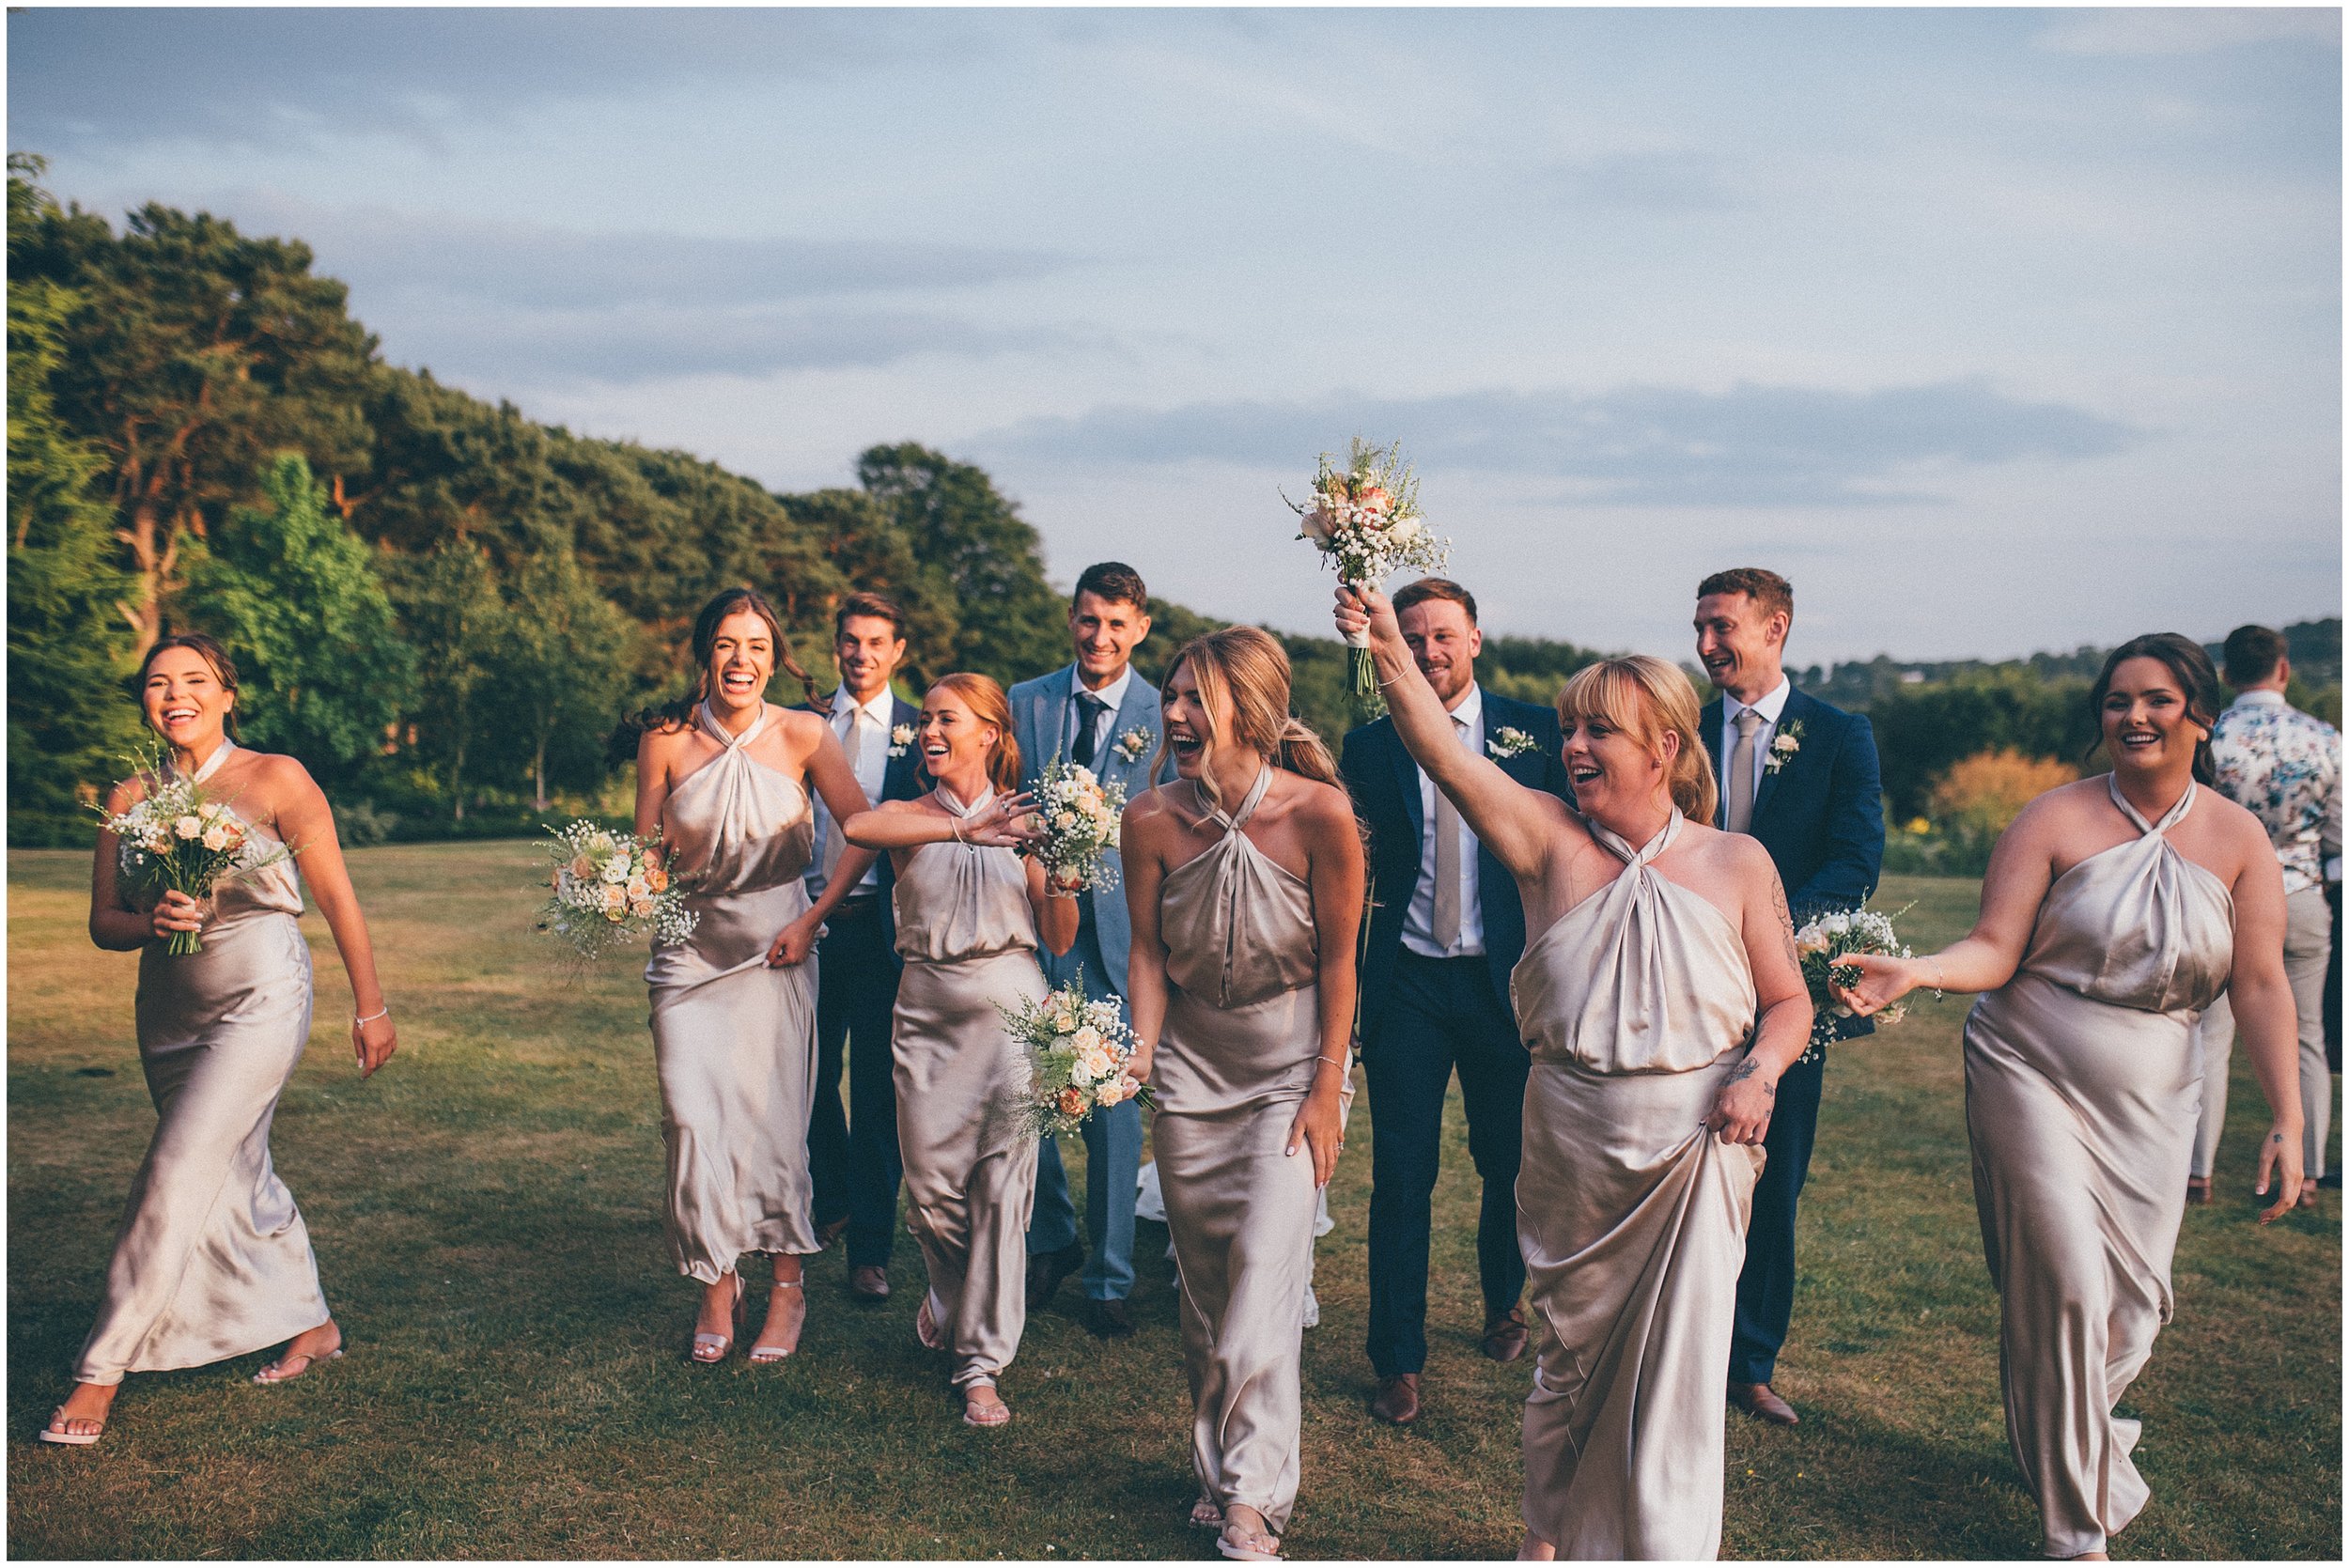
pixel 1921 730
pixel 293 592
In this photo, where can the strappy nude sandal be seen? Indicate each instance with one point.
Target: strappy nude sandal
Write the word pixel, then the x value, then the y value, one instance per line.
pixel 1252 1546
pixel 926 1323
pixel 1205 1514
pixel 768 1354
pixel 711 1349
pixel 975 1414
pixel 275 1371
pixel 77 1439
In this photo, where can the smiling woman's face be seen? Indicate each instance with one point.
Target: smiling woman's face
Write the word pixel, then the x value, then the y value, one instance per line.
pixel 2147 726
pixel 952 736
pixel 741 659
pixel 1185 715
pixel 184 700
pixel 1613 772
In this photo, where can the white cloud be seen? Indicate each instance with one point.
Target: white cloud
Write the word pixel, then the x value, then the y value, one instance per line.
pixel 2188 30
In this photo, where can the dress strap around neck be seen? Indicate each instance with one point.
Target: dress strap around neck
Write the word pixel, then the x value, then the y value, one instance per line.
pixel 212 764
pixel 1620 846
pixel 1232 820
pixel 946 797
pixel 2170 818
pixel 725 736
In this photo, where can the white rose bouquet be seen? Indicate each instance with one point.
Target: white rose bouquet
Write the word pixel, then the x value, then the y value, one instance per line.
pixel 1365 519
pixel 1077 1053
pixel 183 839
pixel 1076 819
pixel 611 887
pixel 1822 943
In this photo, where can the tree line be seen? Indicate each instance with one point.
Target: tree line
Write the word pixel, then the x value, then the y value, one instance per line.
pixel 443 607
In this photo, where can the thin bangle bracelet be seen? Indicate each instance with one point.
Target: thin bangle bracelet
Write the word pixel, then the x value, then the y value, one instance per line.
pixel 382 1012
pixel 1341 1066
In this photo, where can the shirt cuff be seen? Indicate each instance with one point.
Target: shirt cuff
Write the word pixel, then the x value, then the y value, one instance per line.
pixel 2332 869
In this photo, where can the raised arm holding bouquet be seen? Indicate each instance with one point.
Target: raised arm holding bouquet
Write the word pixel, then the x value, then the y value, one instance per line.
pixel 1365 519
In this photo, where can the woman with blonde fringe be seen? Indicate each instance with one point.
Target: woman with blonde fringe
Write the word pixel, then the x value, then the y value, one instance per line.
pixel 1244 879
pixel 1661 1000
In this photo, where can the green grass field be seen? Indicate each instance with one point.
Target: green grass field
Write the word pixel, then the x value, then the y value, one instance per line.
pixel 486 1213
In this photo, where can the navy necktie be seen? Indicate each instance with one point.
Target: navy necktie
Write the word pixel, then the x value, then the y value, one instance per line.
pixel 1089 711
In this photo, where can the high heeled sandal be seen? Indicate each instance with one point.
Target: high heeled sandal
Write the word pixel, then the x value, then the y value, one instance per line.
pixel 275 1371
pixel 974 1414
pixel 709 1349
pixel 77 1439
pixel 768 1354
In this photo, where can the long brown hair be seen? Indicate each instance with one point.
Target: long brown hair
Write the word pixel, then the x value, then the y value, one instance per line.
pixel 678 714
pixel 1643 697
pixel 205 648
pixel 988 706
pixel 1244 672
pixel 2198 681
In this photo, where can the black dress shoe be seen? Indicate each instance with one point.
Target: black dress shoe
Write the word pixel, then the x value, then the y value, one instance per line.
pixel 1397 1399
pixel 1109 1320
pixel 1046 1270
pixel 869 1282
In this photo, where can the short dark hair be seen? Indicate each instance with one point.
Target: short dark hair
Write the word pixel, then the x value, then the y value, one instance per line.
pixel 1115 581
pixel 2196 682
pixel 1769 592
pixel 2252 654
pixel 1434 587
pixel 871 605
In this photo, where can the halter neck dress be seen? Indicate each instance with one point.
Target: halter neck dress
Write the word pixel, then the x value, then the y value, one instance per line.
pixel 1636 1004
pixel 2082 1086
pixel 1235 1059
pixel 734 1041
pixel 212 1259
pixel 967 934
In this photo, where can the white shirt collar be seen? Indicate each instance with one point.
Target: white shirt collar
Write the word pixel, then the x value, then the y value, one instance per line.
pixel 1773 703
pixel 1113 694
pixel 2261 698
pixel 1471 709
pixel 882 708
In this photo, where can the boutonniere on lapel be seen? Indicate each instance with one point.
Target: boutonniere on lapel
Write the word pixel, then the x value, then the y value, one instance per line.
pixel 1133 743
pixel 1783 745
pixel 899 738
pixel 1506 742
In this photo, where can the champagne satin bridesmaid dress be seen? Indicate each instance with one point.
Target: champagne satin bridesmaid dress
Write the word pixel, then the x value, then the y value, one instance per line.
pixel 2082 1088
pixel 733 1039
pixel 967 934
pixel 1636 1005
pixel 1235 1059
pixel 212 1260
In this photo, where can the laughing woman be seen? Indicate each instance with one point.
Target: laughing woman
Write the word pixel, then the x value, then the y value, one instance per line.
pixel 2115 910
pixel 969 915
pixel 212 1260
pixel 1661 1000
pixel 1244 879
pixel 723 778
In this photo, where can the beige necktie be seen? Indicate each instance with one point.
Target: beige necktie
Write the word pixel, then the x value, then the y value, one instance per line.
pixel 1740 817
pixel 1447 917
pixel 852 743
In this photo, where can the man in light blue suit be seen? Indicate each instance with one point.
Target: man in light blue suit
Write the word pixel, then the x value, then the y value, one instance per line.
pixel 1101 714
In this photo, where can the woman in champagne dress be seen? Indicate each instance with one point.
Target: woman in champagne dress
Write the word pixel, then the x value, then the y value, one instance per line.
pixel 723 780
pixel 1245 880
pixel 2115 910
pixel 969 914
pixel 213 1260
pixel 1661 1000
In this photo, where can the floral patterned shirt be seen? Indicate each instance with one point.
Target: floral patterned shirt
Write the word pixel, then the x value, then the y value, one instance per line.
pixel 2284 768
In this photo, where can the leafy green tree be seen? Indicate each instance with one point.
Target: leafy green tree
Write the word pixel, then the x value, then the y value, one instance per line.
pixel 560 667
pixel 449 604
pixel 69 722
pixel 295 596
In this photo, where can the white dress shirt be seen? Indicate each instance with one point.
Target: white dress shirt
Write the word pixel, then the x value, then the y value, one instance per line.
pixel 1418 920
pixel 862 729
pixel 1115 696
pixel 1770 707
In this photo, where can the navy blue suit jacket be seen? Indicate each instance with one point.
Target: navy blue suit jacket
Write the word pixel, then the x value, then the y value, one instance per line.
pixel 901 781
pixel 1384 782
pixel 1820 815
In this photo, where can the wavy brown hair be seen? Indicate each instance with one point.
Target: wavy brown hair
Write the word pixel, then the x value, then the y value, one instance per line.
pixel 984 698
pixel 1643 697
pixel 665 716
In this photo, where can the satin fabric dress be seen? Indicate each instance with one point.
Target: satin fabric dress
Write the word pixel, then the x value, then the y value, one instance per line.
pixel 1636 1004
pixel 967 934
pixel 213 1260
pixel 2082 1086
pixel 1234 1061
pixel 735 1041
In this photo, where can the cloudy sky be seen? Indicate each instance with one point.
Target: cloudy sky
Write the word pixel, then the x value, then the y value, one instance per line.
pixel 1993 330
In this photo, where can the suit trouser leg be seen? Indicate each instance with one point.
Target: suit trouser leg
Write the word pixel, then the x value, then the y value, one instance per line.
pixel 836 968
pixel 1408 1068
pixel 1053 1223
pixel 2308 955
pixel 875 1168
pixel 1766 1287
pixel 1113 1176
pixel 2214 1033
pixel 1493 1064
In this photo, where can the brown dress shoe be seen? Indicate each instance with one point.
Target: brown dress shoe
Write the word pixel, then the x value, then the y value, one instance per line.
pixel 1756 1400
pixel 1504 1335
pixel 869 1282
pixel 1397 1399
pixel 1047 1270
pixel 1108 1320
pixel 830 1231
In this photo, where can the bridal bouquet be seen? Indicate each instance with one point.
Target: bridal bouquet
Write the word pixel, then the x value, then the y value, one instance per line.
pixel 1080 816
pixel 1822 943
pixel 1364 519
pixel 180 839
pixel 1077 1053
pixel 611 887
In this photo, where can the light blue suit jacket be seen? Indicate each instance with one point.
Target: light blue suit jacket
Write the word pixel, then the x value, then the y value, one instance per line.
pixel 1043 722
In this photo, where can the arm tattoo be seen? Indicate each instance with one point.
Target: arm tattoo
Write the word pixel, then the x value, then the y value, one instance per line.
pixel 1745 1070
pixel 1785 920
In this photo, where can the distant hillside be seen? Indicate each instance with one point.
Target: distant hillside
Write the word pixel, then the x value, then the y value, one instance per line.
pixel 2315 663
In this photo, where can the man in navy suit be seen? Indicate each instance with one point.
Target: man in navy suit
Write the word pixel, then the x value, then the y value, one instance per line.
pixel 1445 930
pixel 853 1160
pixel 1801 777
pixel 1099 713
